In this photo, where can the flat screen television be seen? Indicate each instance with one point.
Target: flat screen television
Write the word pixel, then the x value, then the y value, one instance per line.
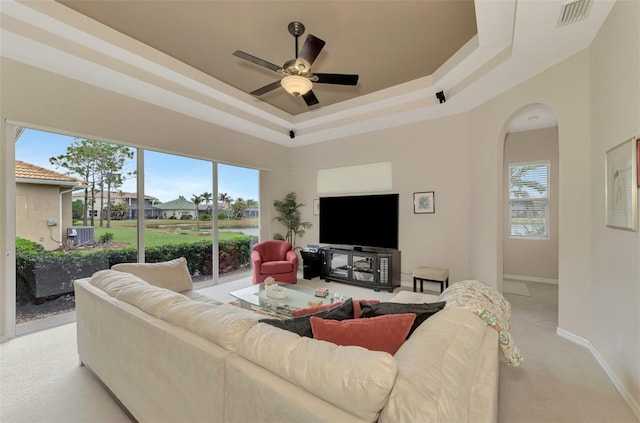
pixel 360 220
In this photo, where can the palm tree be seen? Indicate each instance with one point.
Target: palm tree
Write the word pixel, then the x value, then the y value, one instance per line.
pixel 224 198
pixel 206 196
pixel 196 199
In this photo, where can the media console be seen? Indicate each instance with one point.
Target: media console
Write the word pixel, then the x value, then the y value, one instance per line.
pixel 372 268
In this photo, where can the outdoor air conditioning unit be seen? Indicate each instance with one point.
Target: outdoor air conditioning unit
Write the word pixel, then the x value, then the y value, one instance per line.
pixel 80 235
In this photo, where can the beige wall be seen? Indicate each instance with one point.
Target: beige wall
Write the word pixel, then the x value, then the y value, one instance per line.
pixel 595 96
pixel 37 204
pixel 564 89
pixel 532 259
pixel 614 310
pixel 428 156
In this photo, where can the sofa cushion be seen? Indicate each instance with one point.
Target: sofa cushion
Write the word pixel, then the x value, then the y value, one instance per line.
pixel 442 371
pixel 302 325
pixel 150 299
pixel 195 295
pixel 112 282
pixel 223 325
pixel 382 333
pixel 173 274
pixel 422 311
pixel 352 378
pixel 133 290
pixel 274 267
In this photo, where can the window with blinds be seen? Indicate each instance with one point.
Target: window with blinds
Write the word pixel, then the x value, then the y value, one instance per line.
pixel 529 200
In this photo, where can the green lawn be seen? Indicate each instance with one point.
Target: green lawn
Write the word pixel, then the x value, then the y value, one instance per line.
pixel 167 232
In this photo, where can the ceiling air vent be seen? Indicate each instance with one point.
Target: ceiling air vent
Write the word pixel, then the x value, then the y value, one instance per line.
pixel 573 11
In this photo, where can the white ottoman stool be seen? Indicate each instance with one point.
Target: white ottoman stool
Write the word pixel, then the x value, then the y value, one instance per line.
pixel 430 274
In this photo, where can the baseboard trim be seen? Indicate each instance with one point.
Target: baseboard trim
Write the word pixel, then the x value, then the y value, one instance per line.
pixel 530 279
pixel 626 396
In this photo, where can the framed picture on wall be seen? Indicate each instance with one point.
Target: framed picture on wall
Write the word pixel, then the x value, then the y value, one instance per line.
pixel 621 186
pixel 423 202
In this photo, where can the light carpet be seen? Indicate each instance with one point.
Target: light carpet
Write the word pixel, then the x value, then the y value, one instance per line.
pixel 41 380
pixel 516 288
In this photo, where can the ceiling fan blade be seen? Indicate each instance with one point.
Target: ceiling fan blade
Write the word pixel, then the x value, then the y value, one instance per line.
pixel 257 61
pixel 336 78
pixel 266 88
pixel 310 98
pixel 311 48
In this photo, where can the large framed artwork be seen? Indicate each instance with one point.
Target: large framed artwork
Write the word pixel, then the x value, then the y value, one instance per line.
pixel 423 202
pixel 621 186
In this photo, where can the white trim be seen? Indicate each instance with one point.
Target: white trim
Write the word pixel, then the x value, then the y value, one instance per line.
pixel 530 279
pixel 58 183
pixel 626 396
pixel 8 234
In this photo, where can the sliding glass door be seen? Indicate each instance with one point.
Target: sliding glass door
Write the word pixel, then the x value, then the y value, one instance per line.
pixel 178 212
pixel 238 217
pixel 82 205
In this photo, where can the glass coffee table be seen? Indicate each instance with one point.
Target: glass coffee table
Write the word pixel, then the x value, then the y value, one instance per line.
pixel 298 297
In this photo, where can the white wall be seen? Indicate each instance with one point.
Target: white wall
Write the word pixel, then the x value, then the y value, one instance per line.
pixel 614 310
pixel 534 259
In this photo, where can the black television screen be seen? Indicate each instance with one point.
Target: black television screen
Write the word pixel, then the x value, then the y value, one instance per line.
pixel 360 220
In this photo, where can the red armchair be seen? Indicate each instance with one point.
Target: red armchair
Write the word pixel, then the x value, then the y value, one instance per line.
pixel 276 259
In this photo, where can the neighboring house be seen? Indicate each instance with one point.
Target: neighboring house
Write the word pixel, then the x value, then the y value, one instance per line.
pixel 180 207
pixel 43 204
pixel 252 212
pixel 129 198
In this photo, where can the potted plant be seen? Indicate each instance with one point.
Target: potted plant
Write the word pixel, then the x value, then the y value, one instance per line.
pixel 289 215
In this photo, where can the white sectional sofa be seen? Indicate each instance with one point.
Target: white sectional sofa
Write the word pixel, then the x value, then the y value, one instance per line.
pixel 180 357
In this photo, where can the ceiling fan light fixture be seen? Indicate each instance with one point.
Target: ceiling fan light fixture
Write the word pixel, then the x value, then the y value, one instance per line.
pixel 296 85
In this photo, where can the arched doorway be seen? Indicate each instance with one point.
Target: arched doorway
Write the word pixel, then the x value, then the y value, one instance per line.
pixel 530 200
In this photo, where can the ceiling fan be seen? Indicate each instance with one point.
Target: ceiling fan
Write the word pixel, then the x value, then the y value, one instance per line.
pixel 297 77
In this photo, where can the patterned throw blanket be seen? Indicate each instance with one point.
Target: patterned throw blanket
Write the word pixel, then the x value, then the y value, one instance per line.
pixel 491 307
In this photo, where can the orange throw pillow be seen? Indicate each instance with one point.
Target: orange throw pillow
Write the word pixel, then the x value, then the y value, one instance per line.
pixel 383 333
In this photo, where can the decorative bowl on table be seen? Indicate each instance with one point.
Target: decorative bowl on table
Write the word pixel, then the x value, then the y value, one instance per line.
pixel 276 291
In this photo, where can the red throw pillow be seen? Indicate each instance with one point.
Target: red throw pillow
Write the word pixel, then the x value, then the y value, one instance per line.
pixel 314 310
pixel 383 333
pixel 357 309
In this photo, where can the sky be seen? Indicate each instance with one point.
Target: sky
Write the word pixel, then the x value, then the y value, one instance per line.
pixel 166 176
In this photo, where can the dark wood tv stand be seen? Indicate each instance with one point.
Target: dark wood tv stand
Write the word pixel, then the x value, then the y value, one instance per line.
pixel 374 268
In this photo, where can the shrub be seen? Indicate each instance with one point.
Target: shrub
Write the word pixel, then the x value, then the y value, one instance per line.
pixel 28 245
pixel 41 273
pixel 106 238
pixel 205 217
